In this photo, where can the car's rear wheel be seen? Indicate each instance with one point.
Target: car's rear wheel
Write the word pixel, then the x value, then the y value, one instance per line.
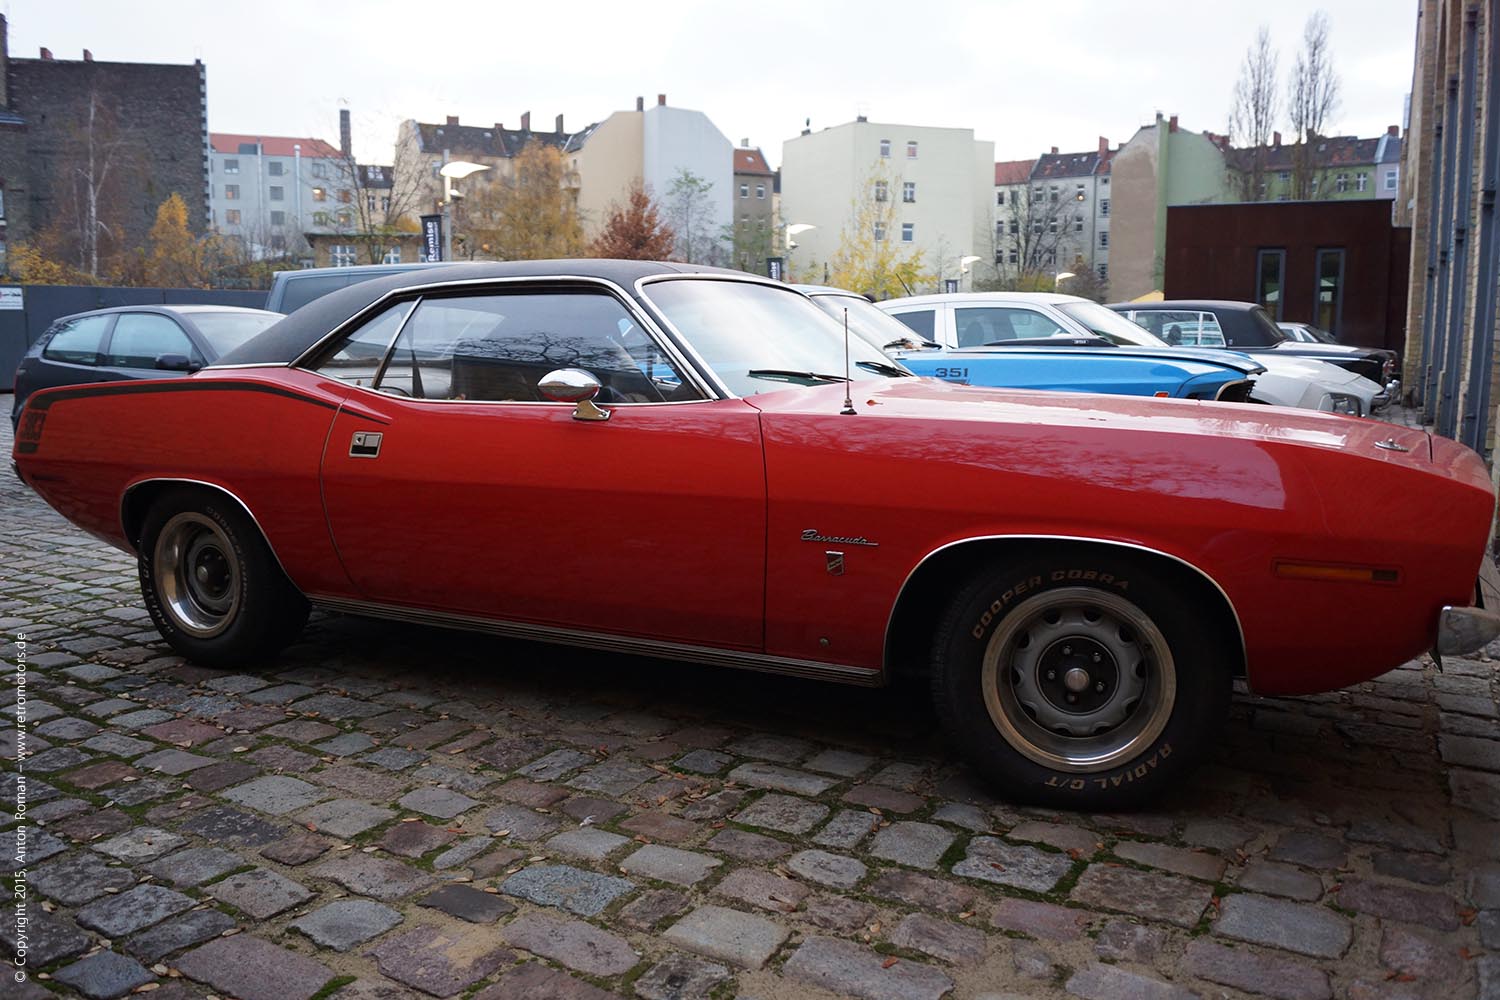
pixel 211 584
pixel 1082 681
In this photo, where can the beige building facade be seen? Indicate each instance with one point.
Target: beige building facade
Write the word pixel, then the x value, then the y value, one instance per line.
pixel 1451 158
pixel 939 185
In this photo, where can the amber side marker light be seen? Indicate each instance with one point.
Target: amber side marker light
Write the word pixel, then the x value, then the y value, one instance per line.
pixel 1346 574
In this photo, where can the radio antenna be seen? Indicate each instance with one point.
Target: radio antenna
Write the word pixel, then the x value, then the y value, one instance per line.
pixel 848 410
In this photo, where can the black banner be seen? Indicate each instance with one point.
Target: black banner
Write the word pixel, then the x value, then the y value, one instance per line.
pixel 432 237
pixel 950 285
pixel 776 268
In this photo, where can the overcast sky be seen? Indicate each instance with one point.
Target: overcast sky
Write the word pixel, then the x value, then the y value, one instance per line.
pixel 1027 75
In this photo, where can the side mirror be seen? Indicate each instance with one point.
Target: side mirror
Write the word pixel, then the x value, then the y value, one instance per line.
pixel 574 385
pixel 176 363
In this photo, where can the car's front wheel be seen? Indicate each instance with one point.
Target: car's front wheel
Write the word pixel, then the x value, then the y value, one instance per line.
pixel 1083 681
pixel 211 584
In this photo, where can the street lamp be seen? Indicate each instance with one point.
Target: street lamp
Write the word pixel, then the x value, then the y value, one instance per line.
pixel 792 230
pixel 454 170
pixel 963 269
pixel 1060 277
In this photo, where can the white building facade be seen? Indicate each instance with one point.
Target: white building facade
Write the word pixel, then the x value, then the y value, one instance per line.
pixel 268 190
pixel 939 183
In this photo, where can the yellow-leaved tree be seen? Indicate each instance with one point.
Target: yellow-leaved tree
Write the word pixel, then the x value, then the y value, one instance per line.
pixel 176 259
pixel 527 215
pixel 870 259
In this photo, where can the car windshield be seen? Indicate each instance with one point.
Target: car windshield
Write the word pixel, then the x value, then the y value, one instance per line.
pixel 1318 334
pixel 225 331
pixel 866 320
pixel 759 338
pixel 1110 325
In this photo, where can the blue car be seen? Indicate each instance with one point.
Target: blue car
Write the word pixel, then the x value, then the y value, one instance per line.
pixel 1051 359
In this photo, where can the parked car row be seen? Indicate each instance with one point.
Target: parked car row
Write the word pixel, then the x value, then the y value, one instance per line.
pixel 691 463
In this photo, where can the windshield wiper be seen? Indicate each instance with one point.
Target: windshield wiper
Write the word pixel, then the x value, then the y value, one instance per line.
pixel 786 373
pixel 883 368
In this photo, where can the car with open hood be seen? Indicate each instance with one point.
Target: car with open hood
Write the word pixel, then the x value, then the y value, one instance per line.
pixel 683 462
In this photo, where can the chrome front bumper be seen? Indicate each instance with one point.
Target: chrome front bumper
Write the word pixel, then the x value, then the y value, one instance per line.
pixel 1463 630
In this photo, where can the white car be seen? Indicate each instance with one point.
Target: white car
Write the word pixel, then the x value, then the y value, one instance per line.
pixel 971 319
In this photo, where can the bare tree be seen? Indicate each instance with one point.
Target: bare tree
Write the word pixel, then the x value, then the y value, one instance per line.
pixel 1312 101
pixel 1253 114
pixel 1032 230
pixel 376 201
pixel 98 159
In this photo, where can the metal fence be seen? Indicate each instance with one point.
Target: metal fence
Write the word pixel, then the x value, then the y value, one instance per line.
pixel 41 304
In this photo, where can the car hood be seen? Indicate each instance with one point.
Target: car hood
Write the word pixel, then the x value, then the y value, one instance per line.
pixel 1329 376
pixel 1198 362
pixel 1297 347
pixel 924 399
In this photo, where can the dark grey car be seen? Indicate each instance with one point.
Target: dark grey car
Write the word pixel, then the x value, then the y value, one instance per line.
pixel 133 342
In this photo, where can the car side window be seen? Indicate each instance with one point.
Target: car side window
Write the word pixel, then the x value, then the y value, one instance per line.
pixel 140 338
pixel 498 347
pixel 1179 328
pixel 359 355
pixel 1210 334
pixel 920 321
pixel 978 326
pixel 78 342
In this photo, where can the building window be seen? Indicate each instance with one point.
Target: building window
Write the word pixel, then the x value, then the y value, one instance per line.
pixel 345 218
pixel 278 218
pixel 880 191
pixel 1341 183
pixel 1103 206
pixel 320 169
pixel 885 148
pixel 1036 226
pixel 231 166
pixel 437 168
pixel 1052 224
pixel 1390 180
pixel 1315 183
pixel 1051 259
pixel 911 150
pixel 1038 193
pixel 909 192
pixel 1082 194
pixel 1077 223
pixel 999 197
pixel 345 196
pixel 341 255
pixel 879 232
pixel 231 192
pixel 278 243
pixel 1270 273
pixel 385 204
pixel 908 232
pixel 1283 176
pixel 744 190
pixel 1104 237
pixel 369 203
pixel 378 173
pixel 392 256
pixel 232 216
pixel 1361 181
pixel 320 194
pixel 278 193
pixel 1103 272
pixel 1014 257
pixel 1055 193
pixel 1328 307
pixel 320 218
pixel 760 191
pixel 276 168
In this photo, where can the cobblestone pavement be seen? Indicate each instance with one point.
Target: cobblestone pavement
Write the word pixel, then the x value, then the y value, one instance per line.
pixel 394 812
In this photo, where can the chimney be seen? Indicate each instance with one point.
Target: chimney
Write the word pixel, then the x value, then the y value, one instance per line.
pixel 453 120
pixel 559 125
pixel 1172 124
pixel 661 100
pixel 640 104
pixel 1276 139
pixel 499 126
pixel 88 56
pixel 4 62
pixel 745 143
pixel 1103 147
pixel 525 121
pixel 346 134
pixel 1393 130
pixel 46 53
pixel 1054 150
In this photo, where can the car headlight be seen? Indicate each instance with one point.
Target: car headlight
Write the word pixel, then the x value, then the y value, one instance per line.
pixel 1339 402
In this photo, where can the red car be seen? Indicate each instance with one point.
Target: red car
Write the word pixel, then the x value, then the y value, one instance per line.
pixel 669 460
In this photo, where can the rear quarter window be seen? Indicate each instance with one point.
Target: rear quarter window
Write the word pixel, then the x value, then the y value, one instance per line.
pixel 78 341
pixel 919 321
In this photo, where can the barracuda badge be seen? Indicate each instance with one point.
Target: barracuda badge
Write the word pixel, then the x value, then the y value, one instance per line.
pixel 835 562
pixel 812 535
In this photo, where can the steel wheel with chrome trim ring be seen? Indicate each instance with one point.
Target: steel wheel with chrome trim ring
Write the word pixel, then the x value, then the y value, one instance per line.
pixel 1083 680
pixel 210 582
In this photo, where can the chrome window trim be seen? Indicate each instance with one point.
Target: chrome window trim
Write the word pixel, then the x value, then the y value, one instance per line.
pixel 125 496
pixel 1116 543
pixel 621 294
pixel 608 642
pixel 255 364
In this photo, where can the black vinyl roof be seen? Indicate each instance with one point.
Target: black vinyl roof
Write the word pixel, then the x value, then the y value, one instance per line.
pixel 1227 305
pixel 284 342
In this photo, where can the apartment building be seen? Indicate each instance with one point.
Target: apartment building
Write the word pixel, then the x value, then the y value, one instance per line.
pixel 268 190
pixel 935 186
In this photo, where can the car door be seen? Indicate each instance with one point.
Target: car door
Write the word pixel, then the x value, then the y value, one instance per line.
pixel 138 340
pixel 451 484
